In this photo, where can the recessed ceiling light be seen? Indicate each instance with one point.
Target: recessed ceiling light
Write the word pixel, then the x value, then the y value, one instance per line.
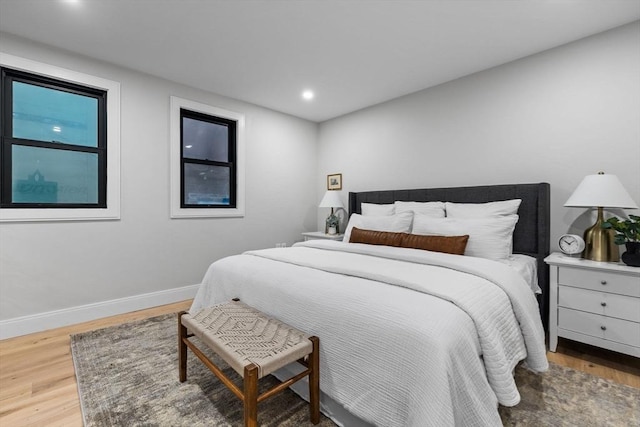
pixel 308 95
pixel 57 129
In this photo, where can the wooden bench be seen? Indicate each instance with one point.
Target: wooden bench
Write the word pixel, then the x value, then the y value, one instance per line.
pixel 254 345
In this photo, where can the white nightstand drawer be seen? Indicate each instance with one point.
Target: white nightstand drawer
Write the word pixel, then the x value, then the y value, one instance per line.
pixel 621 331
pixel 612 305
pixel 604 281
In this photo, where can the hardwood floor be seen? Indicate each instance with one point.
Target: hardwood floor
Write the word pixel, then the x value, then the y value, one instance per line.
pixel 617 367
pixel 38 385
pixel 37 378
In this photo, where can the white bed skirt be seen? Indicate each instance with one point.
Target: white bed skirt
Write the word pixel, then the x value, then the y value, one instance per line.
pixel 329 407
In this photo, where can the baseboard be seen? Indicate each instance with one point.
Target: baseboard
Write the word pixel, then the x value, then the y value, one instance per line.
pixel 69 316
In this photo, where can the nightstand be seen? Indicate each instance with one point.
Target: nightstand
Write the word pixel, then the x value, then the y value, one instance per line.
pixel 597 303
pixel 315 235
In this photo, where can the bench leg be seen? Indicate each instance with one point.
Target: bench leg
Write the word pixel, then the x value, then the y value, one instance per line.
pixel 251 395
pixel 182 349
pixel 314 381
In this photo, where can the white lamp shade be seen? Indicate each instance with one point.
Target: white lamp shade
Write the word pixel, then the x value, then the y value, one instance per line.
pixel 602 190
pixel 331 199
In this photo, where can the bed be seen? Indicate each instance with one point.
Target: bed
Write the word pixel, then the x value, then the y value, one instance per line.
pixel 409 337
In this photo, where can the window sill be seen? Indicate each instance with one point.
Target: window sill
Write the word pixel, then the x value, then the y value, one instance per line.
pixel 42 214
pixel 208 213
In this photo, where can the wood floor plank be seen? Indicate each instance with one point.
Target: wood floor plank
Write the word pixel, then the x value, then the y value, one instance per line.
pixel 38 385
pixel 27 364
pixel 45 408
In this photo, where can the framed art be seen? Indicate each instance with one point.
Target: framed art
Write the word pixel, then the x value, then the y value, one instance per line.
pixel 334 182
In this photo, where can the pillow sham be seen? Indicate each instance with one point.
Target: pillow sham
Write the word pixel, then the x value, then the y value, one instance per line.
pixel 433 209
pixel 482 210
pixel 398 223
pixel 370 209
pixel 490 238
pixel 447 244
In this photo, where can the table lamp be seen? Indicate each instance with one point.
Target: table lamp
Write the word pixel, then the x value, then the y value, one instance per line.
pixel 601 191
pixel 331 200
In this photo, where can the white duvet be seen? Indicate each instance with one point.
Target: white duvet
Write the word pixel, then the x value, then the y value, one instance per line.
pixel 407 337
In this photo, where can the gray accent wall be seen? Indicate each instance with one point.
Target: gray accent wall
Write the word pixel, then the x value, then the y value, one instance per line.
pixel 553 117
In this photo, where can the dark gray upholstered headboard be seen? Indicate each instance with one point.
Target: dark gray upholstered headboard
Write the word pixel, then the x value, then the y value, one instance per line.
pixel 531 236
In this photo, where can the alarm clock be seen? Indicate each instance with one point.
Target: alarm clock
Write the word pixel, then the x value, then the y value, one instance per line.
pixel 571 244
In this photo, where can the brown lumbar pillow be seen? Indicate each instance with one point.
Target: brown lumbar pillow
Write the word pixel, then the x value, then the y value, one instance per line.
pixel 372 237
pixel 447 244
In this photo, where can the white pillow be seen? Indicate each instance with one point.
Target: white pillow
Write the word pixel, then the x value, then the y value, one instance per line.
pixel 488 237
pixel 433 209
pixel 482 210
pixel 400 223
pixel 379 210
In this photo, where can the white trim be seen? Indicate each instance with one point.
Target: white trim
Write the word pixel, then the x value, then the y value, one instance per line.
pixel 112 211
pixel 174 141
pixel 69 316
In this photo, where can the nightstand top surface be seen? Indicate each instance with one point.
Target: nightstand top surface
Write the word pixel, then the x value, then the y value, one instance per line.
pixel 322 235
pixel 560 259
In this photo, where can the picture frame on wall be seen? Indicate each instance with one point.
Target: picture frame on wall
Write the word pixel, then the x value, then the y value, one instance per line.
pixel 334 181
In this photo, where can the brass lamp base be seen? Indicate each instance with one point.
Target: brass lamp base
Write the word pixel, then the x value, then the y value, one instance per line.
pixel 599 245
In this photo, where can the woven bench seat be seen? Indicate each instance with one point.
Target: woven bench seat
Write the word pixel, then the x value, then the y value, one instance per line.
pixel 254 345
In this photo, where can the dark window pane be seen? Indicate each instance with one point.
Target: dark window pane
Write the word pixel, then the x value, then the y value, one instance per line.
pixel 204 140
pixel 43 175
pixel 45 114
pixel 206 185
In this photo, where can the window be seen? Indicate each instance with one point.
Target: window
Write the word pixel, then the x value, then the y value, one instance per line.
pixel 208 146
pixel 207 160
pixel 53 143
pixel 59 148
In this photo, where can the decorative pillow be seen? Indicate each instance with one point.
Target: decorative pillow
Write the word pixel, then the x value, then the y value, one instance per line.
pixel 433 209
pixel 482 210
pixel 397 223
pixel 373 237
pixel 488 237
pixel 448 244
pixel 370 209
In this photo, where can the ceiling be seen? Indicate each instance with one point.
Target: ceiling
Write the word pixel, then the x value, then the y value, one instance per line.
pixel 352 54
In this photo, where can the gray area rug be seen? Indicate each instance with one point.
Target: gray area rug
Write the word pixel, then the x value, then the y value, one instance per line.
pixel 128 376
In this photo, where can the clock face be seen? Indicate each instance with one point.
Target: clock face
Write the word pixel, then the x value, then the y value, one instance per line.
pixel 571 244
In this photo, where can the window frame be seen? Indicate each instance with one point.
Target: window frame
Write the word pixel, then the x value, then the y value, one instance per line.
pixel 230 163
pixel 177 208
pixel 9 76
pixel 108 207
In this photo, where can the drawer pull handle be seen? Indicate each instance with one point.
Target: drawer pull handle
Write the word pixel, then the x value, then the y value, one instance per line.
pixel 603 282
pixel 604 328
pixel 604 304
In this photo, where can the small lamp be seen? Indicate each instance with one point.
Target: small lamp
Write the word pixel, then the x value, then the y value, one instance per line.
pixel 601 191
pixel 331 200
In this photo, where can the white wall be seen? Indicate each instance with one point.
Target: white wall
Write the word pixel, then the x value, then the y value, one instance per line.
pixel 552 117
pixel 61 265
pixel 555 117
